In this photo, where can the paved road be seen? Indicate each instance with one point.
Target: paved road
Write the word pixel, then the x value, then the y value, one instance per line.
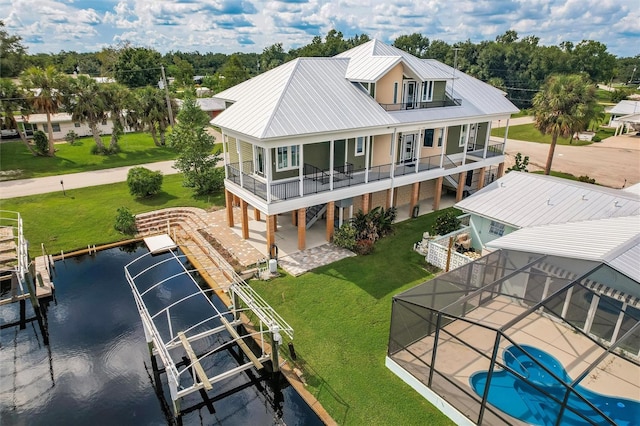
pixel 610 162
pixel 22 187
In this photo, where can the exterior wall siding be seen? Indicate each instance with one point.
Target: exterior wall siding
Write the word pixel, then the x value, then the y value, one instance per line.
pixel 379 199
pixel 384 86
pixel 427 190
pixel 453 138
pixel 439 89
pixel 232 150
pixel 82 130
pixel 381 149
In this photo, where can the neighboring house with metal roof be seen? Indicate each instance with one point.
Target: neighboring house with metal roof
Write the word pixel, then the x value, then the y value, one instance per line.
pixel 625 114
pixel 525 200
pixel 372 126
pixel 210 105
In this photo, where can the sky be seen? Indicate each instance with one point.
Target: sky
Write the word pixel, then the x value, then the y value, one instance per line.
pixel 228 26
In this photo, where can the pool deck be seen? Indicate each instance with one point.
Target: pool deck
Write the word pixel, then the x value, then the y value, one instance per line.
pixel 613 376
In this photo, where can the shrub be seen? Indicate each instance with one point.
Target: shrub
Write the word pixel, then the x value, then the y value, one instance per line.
pixel 125 221
pixel 364 247
pixel 345 237
pixel 596 138
pixel 71 137
pixel 586 179
pixel 42 142
pixel 98 150
pixel 445 223
pixel 520 164
pixel 143 182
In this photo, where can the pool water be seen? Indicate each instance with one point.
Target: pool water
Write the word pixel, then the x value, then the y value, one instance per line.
pixel 524 399
pixel 97 369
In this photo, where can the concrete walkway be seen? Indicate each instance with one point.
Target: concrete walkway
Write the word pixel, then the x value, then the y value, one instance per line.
pixel 43 185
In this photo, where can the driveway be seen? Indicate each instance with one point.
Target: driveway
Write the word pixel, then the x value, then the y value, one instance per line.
pixel 614 162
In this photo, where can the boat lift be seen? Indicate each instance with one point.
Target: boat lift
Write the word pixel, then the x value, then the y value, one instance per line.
pixel 171 340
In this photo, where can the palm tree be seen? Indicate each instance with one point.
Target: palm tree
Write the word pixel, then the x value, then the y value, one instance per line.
pixel 564 104
pixel 154 113
pixel 13 100
pixel 45 93
pixel 121 102
pixel 86 102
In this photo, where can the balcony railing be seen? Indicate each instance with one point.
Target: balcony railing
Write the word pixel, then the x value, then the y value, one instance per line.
pixel 422 105
pixel 316 180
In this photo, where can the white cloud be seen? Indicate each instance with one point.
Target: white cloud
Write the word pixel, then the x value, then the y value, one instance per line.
pixel 218 25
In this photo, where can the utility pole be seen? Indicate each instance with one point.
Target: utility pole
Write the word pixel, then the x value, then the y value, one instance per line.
pixel 166 92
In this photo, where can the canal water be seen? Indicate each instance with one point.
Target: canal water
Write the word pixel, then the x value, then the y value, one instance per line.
pixel 97 370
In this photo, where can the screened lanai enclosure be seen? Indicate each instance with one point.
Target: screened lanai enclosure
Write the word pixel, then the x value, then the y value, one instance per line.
pixel 523 338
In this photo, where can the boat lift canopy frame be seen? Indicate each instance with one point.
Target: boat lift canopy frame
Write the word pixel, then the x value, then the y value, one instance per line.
pixel 193 377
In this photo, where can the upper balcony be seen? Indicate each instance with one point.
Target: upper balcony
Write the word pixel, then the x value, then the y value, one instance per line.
pixel 447 102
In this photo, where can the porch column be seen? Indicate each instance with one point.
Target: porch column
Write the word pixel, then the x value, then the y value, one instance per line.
pixel 302 228
pixel 331 208
pixel 487 139
pixel 351 212
pixel 294 217
pixel 256 214
pixel 500 170
pixel 268 172
pixel 389 197
pixel 459 191
pixel 481 178
pixel 506 134
pixel 275 223
pixel 245 219
pixel 438 194
pixel 466 143
pixel 367 153
pixel 228 196
pixel 415 192
pixel 331 163
pixel 394 143
pixel 366 200
pixel 241 162
pixel 301 169
pixel 271 236
pixel 340 216
pixel 443 148
pixel 225 157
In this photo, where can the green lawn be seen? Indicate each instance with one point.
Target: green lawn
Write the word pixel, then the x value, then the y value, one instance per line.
pixel 526 132
pixel 137 148
pixel 340 314
pixel 86 216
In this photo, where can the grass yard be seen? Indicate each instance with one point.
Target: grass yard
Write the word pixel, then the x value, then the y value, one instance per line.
pixel 87 215
pixel 526 132
pixel 340 314
pixel 137 148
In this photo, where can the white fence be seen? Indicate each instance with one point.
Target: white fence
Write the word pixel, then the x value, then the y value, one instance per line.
pixel 438 248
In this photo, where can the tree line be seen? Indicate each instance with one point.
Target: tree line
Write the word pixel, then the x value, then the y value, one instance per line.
pixel 519 66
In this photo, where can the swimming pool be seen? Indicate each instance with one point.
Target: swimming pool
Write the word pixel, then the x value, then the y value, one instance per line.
pixel 529 394
pixel 97 369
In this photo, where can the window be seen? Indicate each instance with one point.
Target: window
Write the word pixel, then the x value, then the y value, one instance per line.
pixel 359 145
pixel 496 228
pixel 45 127
pixel 428 138
pixel 395 92
pixel 288 157
pixel 427 91
pixel 463 135
pixel 258 160
pixel 56 127
pixel 370 88
pixel 440 136
pixel 76 124
pixel 104 122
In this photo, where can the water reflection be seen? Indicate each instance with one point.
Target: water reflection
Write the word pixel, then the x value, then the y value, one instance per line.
pixel 97 369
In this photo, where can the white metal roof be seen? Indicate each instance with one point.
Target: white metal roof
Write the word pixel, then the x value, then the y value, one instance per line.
pixel 371 60
pixel 625 108
pixel 316 95
pixel 304 96
pixel 634 189
pixel 61 117
pixel 614 241
pixel 524 199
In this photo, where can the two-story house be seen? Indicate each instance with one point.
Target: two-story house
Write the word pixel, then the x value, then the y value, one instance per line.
pixel 373 126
